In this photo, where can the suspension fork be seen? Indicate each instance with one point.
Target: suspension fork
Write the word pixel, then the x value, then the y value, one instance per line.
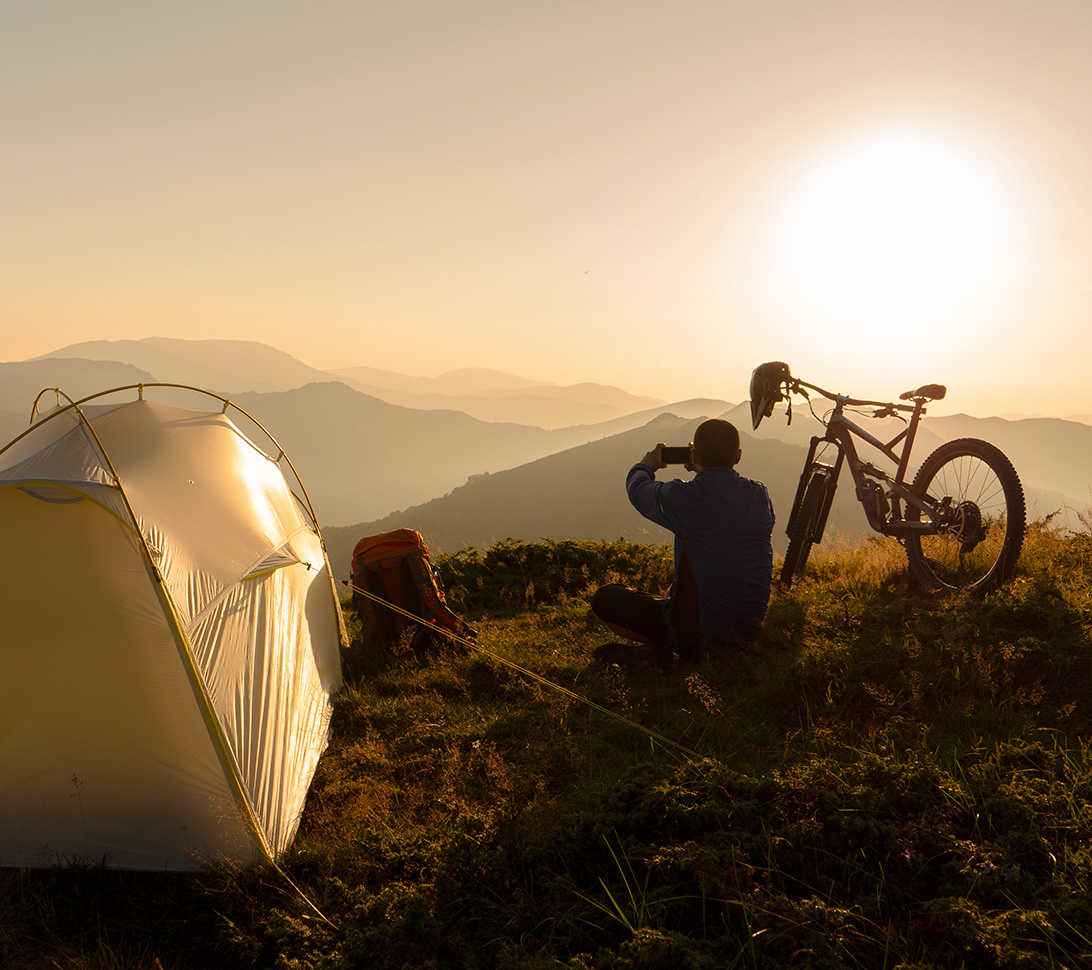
pixel 811 465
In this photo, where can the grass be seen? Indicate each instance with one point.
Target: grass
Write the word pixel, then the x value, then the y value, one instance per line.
pixel 888 780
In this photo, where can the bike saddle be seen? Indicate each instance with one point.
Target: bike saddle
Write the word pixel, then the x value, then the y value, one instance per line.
pixel 931 392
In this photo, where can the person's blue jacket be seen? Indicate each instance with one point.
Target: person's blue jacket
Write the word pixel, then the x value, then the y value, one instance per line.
pixel 726 521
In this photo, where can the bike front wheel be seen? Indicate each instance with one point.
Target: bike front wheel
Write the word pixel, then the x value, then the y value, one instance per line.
pixel 979 518
pixel 804 527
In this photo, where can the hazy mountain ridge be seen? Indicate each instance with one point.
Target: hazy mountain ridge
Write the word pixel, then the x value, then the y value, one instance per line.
pixel 234 366
pixel 483 382
pixel 698 407
pixel 1052 454
pixel 1078 418
pixel 202 363
pixel 11 425
pixel 553 408
pixel 580 494
pixel 359 457
pixel 461 380
pixel 22 381
pixel 506 397
pixel 462 480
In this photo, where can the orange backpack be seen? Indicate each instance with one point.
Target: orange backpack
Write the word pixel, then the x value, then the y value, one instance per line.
pixel 395 567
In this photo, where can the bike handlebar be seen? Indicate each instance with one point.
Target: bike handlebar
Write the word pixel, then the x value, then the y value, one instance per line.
pixel 795 384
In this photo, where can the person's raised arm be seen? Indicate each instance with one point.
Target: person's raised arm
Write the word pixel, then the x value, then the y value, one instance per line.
pixel 654 458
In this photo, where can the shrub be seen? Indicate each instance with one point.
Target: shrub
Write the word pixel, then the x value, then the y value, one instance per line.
pixel 519 575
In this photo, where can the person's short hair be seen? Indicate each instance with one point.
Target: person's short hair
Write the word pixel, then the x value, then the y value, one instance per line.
pixel 717 443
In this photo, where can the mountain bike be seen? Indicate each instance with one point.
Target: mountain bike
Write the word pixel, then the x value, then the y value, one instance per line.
pixel 962 518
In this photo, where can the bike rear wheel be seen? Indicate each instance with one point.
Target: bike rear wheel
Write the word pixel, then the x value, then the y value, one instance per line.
pixel 804 528
pixel 980 518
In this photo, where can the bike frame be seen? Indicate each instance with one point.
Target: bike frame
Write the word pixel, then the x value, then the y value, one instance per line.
pixel 880 494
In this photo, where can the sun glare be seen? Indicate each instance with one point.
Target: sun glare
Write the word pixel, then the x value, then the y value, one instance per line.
pixel 897 229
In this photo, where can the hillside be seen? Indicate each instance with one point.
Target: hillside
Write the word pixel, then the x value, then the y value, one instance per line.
pixel 886 780
pixel 580 494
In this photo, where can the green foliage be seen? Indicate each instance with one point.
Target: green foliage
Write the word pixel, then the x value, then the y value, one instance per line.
pixel 513 574
pixel 887 780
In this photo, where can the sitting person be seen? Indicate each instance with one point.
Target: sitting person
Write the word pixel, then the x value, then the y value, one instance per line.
pixel 723 557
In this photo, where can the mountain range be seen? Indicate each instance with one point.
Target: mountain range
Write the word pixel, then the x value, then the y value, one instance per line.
pixel 370 460
pixel 360 456
pixel 231 366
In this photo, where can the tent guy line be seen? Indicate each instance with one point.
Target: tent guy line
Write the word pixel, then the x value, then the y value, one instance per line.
pixel 524 671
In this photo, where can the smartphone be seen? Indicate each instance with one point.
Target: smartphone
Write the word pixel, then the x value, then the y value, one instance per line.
pixel 675 456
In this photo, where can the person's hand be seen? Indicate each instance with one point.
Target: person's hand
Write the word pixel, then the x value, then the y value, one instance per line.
pixel 653 458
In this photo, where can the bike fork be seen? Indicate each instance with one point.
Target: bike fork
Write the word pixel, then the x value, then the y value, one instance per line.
pixel 811 467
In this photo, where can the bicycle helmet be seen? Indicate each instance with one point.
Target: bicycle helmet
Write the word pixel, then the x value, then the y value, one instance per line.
pixel 767 381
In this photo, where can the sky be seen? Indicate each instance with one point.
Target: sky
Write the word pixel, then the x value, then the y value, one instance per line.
pixel 654 195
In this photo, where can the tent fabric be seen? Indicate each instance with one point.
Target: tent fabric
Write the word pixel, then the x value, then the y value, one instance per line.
pixel 170 638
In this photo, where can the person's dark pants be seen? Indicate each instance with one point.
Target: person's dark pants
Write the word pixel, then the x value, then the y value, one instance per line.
pixel 648 617
pixel 638 612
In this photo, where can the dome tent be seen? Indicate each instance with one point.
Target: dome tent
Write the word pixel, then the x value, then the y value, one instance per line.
pixel 169 632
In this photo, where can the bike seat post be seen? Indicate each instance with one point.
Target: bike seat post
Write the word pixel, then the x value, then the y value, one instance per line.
pixel 911 434
pixel 919 409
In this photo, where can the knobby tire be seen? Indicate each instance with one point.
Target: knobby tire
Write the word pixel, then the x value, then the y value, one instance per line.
pixel 979 544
